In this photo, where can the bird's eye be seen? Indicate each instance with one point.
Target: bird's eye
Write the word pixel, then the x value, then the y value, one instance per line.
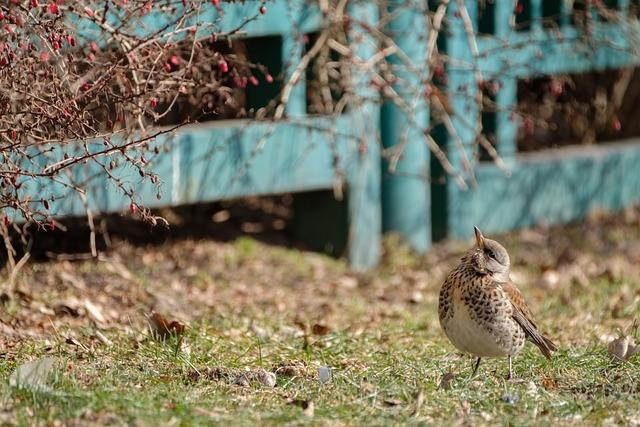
pixel 491 254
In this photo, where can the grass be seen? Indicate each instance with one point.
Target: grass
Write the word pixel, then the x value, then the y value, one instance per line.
pixel 251 306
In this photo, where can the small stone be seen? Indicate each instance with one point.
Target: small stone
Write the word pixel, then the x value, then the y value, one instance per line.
pixel 265 378
pixel 324 374
pixel 510 399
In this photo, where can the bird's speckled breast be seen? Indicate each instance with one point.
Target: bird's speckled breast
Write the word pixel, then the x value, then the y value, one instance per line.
pixel 476 316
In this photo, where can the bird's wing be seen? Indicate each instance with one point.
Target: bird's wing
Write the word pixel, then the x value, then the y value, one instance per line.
pixel 524 317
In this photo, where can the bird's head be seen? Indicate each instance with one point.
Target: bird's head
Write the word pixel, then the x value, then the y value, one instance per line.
pixel 490 257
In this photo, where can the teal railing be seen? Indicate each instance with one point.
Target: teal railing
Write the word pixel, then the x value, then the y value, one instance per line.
pixel 515 40
pixel 234 158
pixel 227 159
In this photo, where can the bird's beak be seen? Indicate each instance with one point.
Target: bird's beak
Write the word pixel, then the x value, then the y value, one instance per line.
pixel 479 237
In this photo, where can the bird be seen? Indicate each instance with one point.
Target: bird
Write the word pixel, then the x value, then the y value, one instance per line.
pixel 481 310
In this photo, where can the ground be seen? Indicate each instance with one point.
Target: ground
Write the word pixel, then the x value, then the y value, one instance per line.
pixel 344 349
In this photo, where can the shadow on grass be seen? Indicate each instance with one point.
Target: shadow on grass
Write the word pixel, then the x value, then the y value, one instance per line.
pixel 266 219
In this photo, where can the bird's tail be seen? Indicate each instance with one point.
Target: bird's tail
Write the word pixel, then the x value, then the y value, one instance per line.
pixel 545 345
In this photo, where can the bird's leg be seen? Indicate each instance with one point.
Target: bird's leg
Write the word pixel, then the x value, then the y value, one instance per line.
pixel 476 367
pixel 510 369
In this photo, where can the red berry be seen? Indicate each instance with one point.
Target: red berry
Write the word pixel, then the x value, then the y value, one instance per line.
pixel 133 208
pixel 616 125
pixel 268 78
pixel 53 9
pixel 529 125
pixel 153 102
pixel 263 10
pixel 224 67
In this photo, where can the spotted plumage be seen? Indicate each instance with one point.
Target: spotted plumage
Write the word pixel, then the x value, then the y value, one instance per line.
pixel 482 312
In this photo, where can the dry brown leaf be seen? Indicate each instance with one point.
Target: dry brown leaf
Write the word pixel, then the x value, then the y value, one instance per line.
pixel 392 402
pixel 120 269
pixel 163 328
pixel 320 329
pixel 75 342
pixel 418 404
pixel 445 382
pixel 94 312
pixel 308 408
pixel 70 307
pixel 221 216
pixel 293 368
pixel 103 339
pixel 465 409
pixel 416 297
pixel 624 347
pixel 234 376
pixel 549 383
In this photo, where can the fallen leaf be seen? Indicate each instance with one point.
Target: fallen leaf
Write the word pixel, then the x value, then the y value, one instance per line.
pixel 260 376
pixel 549 383
pixel 94 311
pixel 65 309
pixel 106 341
pixel 465 409
pixel 73 341
pixel 347 282
pixel 293 368
pixel 416 297
pixel 445 382
pixel 320 329
pixel 221 216
pixel 260 332
pixel 234 376
pixel 120 269
pixel 418 404
pixel 308 408
pixel 623 347
pixel 32 374
pixel 163 328
pixel 392 402
pixel 532 389
pixel 4 298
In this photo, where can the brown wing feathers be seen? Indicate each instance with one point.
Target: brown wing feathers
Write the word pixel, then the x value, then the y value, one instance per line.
pixel 523 316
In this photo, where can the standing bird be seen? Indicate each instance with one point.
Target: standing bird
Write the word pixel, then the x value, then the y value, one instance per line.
pixel 482 312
